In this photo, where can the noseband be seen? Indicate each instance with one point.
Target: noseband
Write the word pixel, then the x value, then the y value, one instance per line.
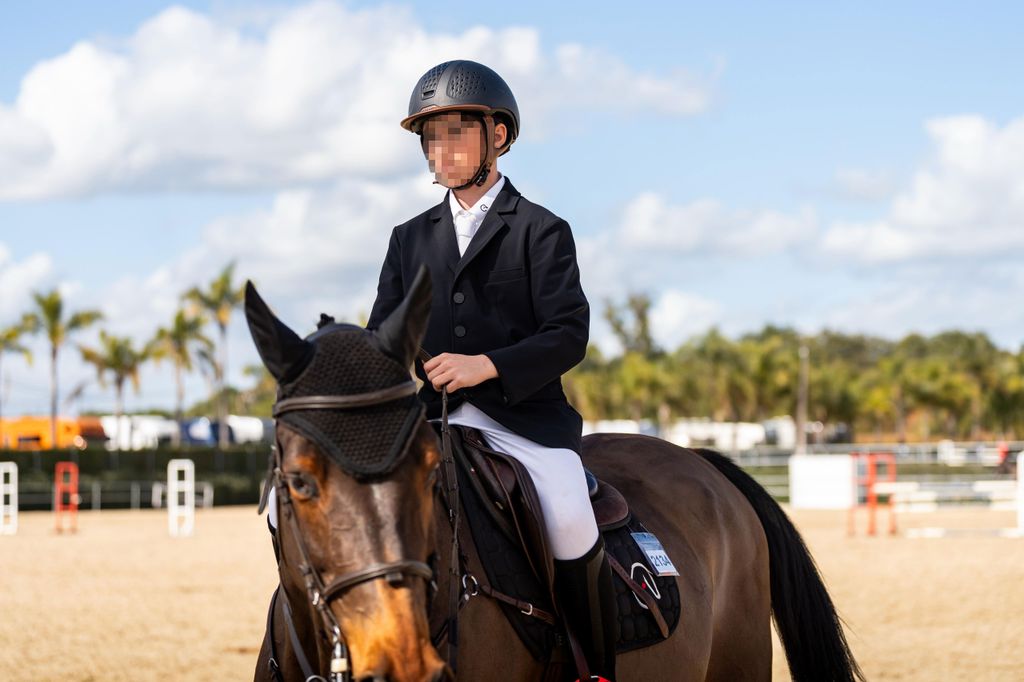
pixel 319 593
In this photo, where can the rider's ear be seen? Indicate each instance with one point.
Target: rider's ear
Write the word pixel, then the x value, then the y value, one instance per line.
pixel 500 134
pixel 399 336
pixel 281 349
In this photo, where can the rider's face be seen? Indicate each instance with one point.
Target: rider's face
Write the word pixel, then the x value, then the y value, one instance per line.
pixel 454 147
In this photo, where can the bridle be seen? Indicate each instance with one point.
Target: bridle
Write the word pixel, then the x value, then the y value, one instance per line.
pixel 319 593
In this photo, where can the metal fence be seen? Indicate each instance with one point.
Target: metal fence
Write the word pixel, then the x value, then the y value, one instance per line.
pixel 111 495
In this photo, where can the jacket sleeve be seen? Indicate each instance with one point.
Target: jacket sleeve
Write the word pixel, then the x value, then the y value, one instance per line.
pixel 563 318
pixel 390 287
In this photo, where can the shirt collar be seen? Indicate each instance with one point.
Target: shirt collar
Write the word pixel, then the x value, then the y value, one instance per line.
pixel 480 208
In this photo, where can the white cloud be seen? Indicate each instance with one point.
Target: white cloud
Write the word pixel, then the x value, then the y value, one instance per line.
pixel 976 299
pixel 18 279
pixel 303 95
pixel 966 201
pixel 678 315
pixel 866 185
pixel 650 222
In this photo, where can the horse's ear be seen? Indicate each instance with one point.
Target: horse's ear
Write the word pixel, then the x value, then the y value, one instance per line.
pixel 399 336
pixel 281 349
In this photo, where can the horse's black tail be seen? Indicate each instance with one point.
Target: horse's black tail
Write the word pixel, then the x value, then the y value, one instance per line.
pixel 808 625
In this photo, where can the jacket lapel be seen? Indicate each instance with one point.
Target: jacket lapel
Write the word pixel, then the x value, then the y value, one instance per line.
pixel 445 242
pixel 505 202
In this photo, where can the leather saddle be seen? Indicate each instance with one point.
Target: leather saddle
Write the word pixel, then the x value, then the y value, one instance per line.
pixel 504 492
pixel 499 478
pixel 512 502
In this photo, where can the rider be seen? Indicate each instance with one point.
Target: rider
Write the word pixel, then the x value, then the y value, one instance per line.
pixel 508 319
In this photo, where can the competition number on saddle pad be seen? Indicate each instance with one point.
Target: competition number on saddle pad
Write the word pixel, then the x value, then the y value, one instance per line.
pixel 656 555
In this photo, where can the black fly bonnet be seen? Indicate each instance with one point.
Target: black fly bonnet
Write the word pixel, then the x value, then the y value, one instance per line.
pixel 365 440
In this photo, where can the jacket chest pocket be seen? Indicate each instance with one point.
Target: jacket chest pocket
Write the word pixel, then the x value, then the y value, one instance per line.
pixel 508 291
pixel 505 275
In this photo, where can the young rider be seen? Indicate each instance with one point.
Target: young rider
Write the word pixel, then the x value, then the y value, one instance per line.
pixel 508 318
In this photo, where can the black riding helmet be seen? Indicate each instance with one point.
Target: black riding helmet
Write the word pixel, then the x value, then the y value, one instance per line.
pixel 466 86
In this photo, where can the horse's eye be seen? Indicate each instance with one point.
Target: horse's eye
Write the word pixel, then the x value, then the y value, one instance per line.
pixel 302 485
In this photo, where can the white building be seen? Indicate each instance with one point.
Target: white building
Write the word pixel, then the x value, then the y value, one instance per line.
pixel 137 431
pixel 724 436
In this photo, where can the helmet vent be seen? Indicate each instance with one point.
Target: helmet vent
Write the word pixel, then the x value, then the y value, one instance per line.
pixel 465 82
pixel 428 85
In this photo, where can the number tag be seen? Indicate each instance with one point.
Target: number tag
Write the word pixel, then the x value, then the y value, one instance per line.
pixel 656 554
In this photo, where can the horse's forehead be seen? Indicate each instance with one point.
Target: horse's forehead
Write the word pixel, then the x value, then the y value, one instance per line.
pixel 366 441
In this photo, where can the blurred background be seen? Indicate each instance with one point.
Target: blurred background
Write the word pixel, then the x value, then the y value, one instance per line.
pixel 799 225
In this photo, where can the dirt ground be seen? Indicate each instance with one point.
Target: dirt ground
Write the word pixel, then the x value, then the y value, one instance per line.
pixel 120 600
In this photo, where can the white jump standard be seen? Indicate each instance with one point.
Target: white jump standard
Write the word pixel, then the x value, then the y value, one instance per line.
pixel 8 498
pixel 181 497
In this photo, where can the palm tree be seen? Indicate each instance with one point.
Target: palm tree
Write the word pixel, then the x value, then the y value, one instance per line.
pixel 176 343
pixel 117 357
pixel 219 300
pixel 49 317
pixel 10 342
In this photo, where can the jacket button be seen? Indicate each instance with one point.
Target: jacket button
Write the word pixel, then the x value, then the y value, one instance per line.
pixel 460 331
pixel 504 399
pixel 459 297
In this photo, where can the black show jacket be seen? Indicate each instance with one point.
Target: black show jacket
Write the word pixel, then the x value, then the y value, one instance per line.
pixel 514 296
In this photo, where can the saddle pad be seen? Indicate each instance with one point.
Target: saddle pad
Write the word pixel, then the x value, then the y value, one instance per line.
pixel 508 571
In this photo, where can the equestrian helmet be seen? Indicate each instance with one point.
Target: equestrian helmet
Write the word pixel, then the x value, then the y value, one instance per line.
pixel 463 85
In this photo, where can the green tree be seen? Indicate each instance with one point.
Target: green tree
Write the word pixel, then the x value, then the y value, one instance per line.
pixel 10 342
pixel 722 375
pixel 49 317
pixel 774 367
pixel 258 401
pixel 177 343
pixel 116 356
pixel 1006 399
pixel 632 325
pixel 219 300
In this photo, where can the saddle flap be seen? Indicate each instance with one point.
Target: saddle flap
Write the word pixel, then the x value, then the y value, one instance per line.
pixel 499 478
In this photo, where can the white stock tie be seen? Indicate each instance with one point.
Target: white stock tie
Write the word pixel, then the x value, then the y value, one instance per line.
pixel 465 228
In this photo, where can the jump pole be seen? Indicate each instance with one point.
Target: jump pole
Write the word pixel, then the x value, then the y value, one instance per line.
pixel 181 497
pixel 1006 532
pixel 8 498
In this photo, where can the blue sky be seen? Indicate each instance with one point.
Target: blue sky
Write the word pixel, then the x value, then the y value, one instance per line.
pixel 844 166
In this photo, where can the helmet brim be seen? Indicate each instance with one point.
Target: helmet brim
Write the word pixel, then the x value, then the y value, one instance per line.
pixel 414 122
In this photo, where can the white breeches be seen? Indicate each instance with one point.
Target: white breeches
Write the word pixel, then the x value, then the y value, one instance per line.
pixel 557 474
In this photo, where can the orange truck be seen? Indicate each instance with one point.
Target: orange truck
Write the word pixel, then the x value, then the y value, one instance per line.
pixel 33 433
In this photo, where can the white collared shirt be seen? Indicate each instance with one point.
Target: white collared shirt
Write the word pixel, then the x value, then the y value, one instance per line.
pixel 468 221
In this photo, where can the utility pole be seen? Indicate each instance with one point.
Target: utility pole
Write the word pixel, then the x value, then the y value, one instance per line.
pixel 801 401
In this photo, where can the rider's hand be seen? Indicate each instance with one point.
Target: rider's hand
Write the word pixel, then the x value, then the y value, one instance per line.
pixel 459 371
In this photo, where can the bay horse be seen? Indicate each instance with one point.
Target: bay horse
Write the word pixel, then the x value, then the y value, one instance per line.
pixel 362 541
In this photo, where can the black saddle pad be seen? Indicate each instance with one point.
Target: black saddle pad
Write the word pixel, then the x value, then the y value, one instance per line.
pixel 508 571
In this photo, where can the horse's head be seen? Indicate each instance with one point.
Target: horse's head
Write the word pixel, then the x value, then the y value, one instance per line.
pixel 354 472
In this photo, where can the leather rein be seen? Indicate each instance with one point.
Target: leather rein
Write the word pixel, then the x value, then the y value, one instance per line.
pixel 319 593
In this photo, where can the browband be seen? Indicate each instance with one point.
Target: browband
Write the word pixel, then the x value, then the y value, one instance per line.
pixel 344 402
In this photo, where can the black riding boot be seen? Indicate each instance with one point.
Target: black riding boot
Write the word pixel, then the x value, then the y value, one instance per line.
pixel 584 590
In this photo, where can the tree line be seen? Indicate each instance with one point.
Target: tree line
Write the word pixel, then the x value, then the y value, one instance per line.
pixel 952 384
pixel 118 359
